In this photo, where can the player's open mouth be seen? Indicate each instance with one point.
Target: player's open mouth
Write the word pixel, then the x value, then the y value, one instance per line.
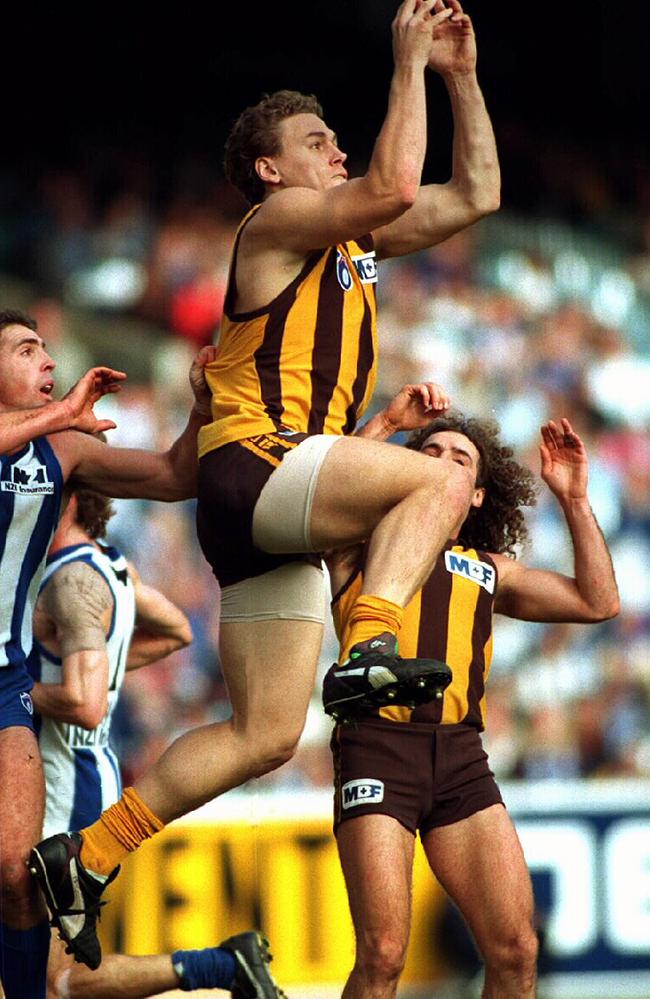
pixel 47 388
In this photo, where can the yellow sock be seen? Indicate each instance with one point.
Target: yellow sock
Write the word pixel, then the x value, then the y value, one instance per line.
pixel 118 831
pixel 370 616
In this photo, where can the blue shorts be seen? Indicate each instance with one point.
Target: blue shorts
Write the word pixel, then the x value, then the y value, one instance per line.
pixel 16 706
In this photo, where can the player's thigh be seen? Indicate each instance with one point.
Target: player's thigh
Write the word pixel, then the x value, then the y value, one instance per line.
pixel 23 793
pixel 360 480
pixel 376 854
pixel 270 668
pixel 480 864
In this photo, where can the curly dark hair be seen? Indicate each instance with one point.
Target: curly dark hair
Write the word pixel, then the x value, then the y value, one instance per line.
pixel 498 525
pixel 256 133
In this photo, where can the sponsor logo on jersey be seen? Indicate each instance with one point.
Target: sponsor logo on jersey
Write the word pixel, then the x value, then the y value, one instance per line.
pixel 27 703
pixel 365 265
pixel 343 275
pixel 27 480
pixel 471 568
pixel 362 792
pixel 83 738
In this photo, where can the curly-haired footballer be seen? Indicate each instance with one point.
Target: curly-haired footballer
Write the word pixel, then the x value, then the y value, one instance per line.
pixel 401 770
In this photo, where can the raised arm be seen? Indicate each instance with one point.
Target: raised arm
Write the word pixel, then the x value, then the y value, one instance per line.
pixel 440 210
pixel 539 595
pixel 413 407
pixel 72 619
pixel 129 473
pixel 74 410
pixel 321 208
pixel 160 626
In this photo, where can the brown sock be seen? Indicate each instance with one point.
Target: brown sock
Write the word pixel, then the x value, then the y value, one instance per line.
pixel 370 616
pixel 118 831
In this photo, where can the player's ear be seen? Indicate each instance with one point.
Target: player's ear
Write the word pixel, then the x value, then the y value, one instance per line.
pixel 266 170
pixel 479 496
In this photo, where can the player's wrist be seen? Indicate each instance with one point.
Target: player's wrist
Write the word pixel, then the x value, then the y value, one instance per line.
pixel 460 80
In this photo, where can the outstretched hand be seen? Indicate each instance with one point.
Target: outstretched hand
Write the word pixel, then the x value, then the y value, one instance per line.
pixel 412 27
pixel 564 461
pixel 86 392
pixel 416 405
pixel 200 388
pixel 453 48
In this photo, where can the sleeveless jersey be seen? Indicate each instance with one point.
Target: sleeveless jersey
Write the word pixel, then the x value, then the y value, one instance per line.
pixel 449 619
pixel 307 361
pixel 31 487
pixel 82 774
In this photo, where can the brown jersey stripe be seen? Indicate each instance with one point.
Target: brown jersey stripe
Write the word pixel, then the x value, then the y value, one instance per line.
pixel 364 366
pixel 433 631
pixel 328 339
pixel 481 634
pixel 231 287
pixel 267 359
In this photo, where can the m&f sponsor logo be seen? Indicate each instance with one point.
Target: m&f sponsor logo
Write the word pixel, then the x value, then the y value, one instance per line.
pixel 27 480
pixel 362 792
pixel 364 264
pixel 479 572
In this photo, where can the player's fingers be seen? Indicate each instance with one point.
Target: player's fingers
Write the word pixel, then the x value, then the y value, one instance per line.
pixel 431 10
pixel 109 374
pixel 105 425
pixel 405 11
pixel 547 436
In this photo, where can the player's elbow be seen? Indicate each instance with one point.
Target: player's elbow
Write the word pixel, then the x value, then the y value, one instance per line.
pixel 604 610
pixel 90 715
pixel 393 196
pixel 612 609
pixel 481 201
pixel 487 202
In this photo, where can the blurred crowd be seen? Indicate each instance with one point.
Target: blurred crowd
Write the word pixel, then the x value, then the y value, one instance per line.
pixel 522 318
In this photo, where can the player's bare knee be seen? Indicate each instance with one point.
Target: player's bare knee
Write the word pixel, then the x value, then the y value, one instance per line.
pixel 450 482
pixel 274 753
pixel 515 954
pixel 17 887
pixel 382 957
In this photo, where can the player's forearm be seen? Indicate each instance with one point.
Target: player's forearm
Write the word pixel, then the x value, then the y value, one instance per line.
pixel 593 569
pixel 23 425
pixel 82 696
pixel 395 168
pixel 182 459
pixel 475 173
pixel 147 648
pixel 156 616
pixel 54 700
pixel 378 428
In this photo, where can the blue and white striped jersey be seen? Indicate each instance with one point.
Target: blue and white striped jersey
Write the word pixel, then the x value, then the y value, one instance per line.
pixel 81 770
pixel 31 487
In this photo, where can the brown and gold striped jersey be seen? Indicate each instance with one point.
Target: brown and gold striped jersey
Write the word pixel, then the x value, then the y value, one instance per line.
pixel 449 619
pixel 307 361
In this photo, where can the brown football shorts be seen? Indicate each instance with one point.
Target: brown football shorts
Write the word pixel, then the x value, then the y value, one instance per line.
pixel 231 479
pixel 424 775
